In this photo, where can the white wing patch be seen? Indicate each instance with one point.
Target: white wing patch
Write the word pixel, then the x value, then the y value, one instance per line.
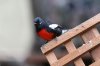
pixel 64 31
pixel 53 26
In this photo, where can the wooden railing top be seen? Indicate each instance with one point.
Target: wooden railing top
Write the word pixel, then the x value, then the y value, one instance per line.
pixel 70 34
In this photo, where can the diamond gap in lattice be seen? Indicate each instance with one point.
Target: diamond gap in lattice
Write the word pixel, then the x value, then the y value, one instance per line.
pixel 87 59
pixel 98 27
pixel 78 41
pixel 60 51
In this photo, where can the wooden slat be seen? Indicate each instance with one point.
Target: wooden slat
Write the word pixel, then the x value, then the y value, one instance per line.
pixel 70 48
pixel 70 34
pixel 51 57
pixel 90 35
pixel 77 53
pixel 97 63
pixel 96 52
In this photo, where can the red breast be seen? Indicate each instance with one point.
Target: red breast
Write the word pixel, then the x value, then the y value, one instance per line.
pixel 46 35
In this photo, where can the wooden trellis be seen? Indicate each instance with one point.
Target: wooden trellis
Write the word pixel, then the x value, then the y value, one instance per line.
pixel 90 35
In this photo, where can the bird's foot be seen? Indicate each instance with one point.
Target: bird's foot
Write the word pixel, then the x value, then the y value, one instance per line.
pixel 46 42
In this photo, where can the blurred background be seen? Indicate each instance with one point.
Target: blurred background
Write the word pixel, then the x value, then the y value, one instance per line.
pixel 19 44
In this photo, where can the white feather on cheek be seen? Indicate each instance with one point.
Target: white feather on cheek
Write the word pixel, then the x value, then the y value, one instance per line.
pixel 53 26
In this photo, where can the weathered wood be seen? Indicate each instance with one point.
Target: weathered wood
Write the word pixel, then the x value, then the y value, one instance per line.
pixel 70 48
pixel 51 57
pixel 97 63
pixel 77 53
pixel 70 34
pixel 90 35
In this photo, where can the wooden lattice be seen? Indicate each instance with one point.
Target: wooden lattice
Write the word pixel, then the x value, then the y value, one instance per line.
pixel 90 35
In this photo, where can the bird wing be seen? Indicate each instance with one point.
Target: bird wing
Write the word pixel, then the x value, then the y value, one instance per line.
pixel 53 26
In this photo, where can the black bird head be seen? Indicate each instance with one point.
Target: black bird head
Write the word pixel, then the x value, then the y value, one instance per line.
pixel 38 21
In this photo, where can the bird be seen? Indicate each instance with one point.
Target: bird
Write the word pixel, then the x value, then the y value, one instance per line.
pixel 47 30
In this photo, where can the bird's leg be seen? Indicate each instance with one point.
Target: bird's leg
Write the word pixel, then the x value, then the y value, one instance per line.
pixel 46 42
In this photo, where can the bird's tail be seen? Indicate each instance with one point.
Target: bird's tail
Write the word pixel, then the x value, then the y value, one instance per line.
pixel 65 30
